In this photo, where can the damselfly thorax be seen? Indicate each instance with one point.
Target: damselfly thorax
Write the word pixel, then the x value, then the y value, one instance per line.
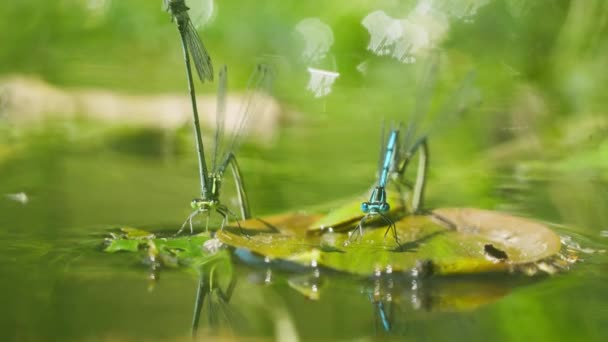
pixel 213 197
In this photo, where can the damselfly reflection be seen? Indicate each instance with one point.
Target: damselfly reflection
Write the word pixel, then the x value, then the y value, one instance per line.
pixel 223 154
pixel 217 299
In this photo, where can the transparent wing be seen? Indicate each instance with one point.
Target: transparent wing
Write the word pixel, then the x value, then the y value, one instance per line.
pixel 425 87
pixel 382 148
pixel 200 56
pixel 219 115
pixel 256 100
pixel 219 311
pixel 465 97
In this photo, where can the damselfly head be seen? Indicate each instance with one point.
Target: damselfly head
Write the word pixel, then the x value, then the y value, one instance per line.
pixel 365 207
pixel 175 6
pixel 384 207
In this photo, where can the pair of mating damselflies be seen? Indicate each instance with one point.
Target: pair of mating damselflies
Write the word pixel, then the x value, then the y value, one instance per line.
pixel 395 156
pixel 222 156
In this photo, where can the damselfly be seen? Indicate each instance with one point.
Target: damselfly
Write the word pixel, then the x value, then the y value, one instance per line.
pixel 223 155
pixel 192 45
pixel 377 205
pixel 390 195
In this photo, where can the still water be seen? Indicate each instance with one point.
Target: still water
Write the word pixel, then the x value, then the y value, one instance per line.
pixel 58 285
pixel 74 169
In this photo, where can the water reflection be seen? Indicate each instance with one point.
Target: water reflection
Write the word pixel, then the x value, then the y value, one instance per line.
pixel 217 299
pixel 384 304
pixel 396 299
pixel 309 285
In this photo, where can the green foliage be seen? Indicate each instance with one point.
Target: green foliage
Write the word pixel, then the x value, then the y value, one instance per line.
pixel 170 251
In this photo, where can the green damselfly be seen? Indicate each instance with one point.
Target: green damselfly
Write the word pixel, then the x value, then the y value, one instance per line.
pixel 211 180
pixel 223 155
pixel 192 46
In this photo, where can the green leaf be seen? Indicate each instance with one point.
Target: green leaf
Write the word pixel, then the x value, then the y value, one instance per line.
pixel 448 241
pixel 134 233
pixel 123 246
pixel 170 251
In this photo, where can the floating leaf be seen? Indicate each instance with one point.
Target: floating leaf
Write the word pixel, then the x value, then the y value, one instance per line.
pixel 122 246
pixel 135 233
pixel 448 241
pixel 522 239
pixel 170 251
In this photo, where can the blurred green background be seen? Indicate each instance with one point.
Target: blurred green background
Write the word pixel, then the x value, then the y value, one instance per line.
pixel 535 145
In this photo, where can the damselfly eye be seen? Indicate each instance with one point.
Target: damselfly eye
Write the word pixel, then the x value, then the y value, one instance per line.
pixel 365 207
pixel 384 207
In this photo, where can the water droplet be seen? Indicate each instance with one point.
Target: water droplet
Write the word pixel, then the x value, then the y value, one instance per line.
pixel 20 197
pixel 268 278
pixel 212 246
pixel 389 269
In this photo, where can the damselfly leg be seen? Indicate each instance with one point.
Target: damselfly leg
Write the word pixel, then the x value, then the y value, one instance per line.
pixel 377 205
pixel 420 146
pixel 205 207
pixel 357 233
